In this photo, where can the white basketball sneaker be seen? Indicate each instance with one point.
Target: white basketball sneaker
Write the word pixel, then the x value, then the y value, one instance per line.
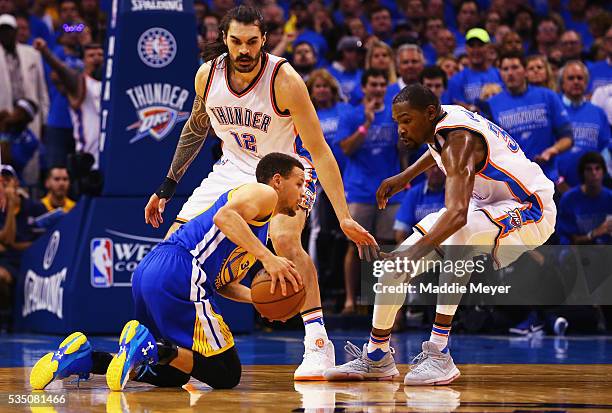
pixel 319 356
pixel 362 367
pixel 432 367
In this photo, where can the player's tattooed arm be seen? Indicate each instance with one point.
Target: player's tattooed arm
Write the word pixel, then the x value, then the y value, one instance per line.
pixel 191 140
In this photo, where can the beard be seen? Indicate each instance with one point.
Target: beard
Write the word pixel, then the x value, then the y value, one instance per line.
pixel 239 66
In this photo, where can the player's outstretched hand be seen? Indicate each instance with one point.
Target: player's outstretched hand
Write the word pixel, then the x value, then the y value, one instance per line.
pixel 388 188
pixel 281 269
pixel 366 244
pixel 154 210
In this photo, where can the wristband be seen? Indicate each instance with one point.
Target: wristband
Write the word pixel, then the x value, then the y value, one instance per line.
pixel 166 189
pixel 363 130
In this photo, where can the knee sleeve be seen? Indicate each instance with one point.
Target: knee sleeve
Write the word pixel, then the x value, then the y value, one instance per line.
pixel 221 371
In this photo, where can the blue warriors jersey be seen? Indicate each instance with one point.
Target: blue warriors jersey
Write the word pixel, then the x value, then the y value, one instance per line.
pixel 215 253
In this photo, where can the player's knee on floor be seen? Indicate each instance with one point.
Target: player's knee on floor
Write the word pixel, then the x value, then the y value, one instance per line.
pixel 222 371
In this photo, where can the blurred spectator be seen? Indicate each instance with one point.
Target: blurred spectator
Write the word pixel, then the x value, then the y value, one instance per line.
pixel 381 23
pixel 368 137
pixel 524 25
pixel 21 74
pixel 532 115
pixel 468 17
pixel 324 92
pixel 445 43
pixel 57 185
pixel 571 46
pixel 59 136
pixel 17 231
pixel 434 78
pixel 589 123
pixel 95 20
pixel 348 9
pixel 18 142
pixel 420 200
pixel 83 91
pixel 380 56
pixel 601 72
pixel 200 9
pixel 492 23
pixel 356 28
pixel 547 36
pixel 304 59
pixel 410 64
pixel 68 12
pixel 346 69
pixel 449 64
pixel 414 10
pixel 433 26
pixel 23 29
pixel 501 31
pixel 45 12
pixel 210 28
pixel 511 43
pixel 575 19
pixel 302 22
pixel 585 212
pixel 37 27
pixel 464 87
pixel 539 72
pixel 273 14
pixel 277 41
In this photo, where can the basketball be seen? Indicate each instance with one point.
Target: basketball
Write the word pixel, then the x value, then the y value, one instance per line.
pixel 275 306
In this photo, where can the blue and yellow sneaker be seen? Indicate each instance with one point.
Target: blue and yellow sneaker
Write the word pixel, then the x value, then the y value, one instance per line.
pixel 72 357
pixel 137 347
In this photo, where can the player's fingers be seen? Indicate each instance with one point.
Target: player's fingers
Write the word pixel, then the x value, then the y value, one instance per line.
pixel 360 250
pixel 294 283
pixel 293 272
pixel 272 284
pixel 283 285
pixel 161 206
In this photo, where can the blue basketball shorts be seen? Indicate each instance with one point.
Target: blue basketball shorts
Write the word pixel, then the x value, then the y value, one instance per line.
pixel 175 299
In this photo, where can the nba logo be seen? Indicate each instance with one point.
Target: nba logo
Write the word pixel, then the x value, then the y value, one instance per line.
pixel 101 262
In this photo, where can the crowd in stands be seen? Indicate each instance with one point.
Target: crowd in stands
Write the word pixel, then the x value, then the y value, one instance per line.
pixel 541 70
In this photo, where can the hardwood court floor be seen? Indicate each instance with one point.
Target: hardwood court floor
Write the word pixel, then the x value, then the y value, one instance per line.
pixel 481 388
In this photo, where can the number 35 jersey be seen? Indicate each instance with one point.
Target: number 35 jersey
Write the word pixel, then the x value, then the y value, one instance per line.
pixel 250 123
pixel 505 174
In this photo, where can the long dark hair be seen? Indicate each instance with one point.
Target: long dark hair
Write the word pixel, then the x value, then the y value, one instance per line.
pixel 241 14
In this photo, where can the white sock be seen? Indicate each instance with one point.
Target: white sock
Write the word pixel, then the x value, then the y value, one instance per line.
pixel 439 336
pixel 313 323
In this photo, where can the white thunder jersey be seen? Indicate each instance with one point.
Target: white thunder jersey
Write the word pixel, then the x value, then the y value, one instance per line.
pixel 249 123
pixel 506 174
pixel 512 201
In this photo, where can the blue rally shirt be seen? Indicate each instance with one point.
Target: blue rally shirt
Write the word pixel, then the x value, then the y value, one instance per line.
pixel 466 85
pixel 416 205
pixel 535 119
pixel 579 214
pixel 350 83
pixel 376 159
pixel 330 119
pixel 591 133
pixel 600 74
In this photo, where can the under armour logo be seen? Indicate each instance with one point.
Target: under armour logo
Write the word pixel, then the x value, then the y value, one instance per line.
pixel 145 351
